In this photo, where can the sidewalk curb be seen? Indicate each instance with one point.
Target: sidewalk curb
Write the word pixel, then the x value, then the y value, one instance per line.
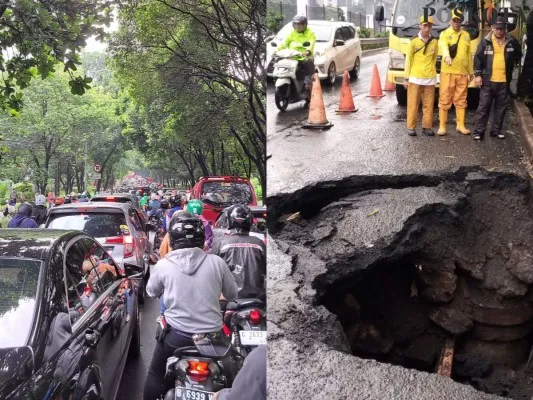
pixel 372 52
pixel 525 124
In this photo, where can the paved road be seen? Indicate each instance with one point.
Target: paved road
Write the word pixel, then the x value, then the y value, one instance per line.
pixel 132 385
pixel 371 141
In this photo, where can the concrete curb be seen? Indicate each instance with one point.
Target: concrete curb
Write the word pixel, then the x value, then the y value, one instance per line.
pixel 372 52
pixel 525 124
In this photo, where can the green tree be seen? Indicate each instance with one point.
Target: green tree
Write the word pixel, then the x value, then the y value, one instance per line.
pixel 37 35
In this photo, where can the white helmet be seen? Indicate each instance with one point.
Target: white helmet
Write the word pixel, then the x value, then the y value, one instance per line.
pixel 40 200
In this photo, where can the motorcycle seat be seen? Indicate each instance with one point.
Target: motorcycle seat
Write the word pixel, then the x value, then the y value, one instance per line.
pixel 239 304
pixel 215 352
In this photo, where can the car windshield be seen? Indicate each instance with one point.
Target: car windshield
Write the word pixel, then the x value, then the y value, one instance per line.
pixel 322 33
pixel 97 224
pixel 408 13
pixel 223 194
pixel 18 291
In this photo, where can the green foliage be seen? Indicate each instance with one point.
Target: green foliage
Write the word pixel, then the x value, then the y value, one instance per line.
pixel 384 34
pixel 274 22
pixel 25 188
pixel 5 187
pixel 257 187
pixel 365 32
pixel 45 34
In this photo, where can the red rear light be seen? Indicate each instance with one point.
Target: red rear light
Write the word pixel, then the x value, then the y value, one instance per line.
pixel 126 240
pixel 110 198
pixel 198 370
pixel 255 317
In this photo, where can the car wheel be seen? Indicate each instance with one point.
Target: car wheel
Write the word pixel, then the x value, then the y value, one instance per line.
pixel 332 74
pixel 401 95
pixel 354 73
pixel 135 344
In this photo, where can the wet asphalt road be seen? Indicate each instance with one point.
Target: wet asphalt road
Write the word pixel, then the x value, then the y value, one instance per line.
pixel 132 385
pixel 372 141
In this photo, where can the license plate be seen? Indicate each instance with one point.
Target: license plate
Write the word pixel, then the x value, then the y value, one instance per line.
pixel 253 338
pixel 192 394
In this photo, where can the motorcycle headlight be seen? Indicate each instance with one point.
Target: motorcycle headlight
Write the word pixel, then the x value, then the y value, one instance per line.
pixel 397 59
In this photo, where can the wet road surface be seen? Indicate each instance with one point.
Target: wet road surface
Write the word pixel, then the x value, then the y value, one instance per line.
pixel 132 385
pixel 372 141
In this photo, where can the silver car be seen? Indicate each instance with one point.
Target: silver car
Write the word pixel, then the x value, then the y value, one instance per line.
pixel 118 227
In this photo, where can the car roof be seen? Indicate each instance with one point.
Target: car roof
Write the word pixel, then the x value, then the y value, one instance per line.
pixel 91 207
pixel 128 195
pixel 31 243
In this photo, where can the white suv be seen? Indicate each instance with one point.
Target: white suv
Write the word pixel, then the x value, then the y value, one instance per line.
pixel 337 48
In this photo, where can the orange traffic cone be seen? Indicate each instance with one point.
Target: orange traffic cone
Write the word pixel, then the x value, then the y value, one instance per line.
pixel 375 87
pixel 388 86
pixel 346 104
pixel 317 112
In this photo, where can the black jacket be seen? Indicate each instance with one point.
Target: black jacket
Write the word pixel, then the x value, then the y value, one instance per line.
pixel 39 214
pixel 485 55
pixel 246 258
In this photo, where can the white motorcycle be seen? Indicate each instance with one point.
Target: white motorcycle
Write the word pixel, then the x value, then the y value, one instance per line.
pixel 289 76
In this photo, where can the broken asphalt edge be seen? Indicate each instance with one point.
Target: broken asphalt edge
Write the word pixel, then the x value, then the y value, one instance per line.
pixel 525 125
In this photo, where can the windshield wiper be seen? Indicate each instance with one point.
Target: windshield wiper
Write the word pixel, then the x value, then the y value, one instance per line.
pixel 409 27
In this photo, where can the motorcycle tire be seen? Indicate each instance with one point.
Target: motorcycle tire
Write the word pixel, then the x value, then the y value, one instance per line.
pixel 282 100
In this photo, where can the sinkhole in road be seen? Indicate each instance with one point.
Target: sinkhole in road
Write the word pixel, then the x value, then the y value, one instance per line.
pixel 448 290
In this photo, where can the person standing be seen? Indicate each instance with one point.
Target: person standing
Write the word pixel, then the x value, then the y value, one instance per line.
pixel 457 71
pixel 495 58
pixel 421 77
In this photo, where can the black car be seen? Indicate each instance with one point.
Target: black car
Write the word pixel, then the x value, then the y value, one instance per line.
pixel 69 316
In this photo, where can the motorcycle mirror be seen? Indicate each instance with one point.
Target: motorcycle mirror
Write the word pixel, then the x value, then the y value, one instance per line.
pixel 273 44
pixel 306 44
pixel 150 226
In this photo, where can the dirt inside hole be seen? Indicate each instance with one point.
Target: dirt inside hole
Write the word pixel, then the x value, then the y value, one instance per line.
pixel 403 313
pixel 411 271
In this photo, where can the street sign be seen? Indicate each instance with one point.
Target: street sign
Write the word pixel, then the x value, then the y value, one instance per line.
pixel 97 168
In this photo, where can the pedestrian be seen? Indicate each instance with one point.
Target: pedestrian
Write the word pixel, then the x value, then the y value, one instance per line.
pixel 51 199
pixel 457 71
pixel 421 77
pixel 10 208
pixel 495 58
pixel 22 218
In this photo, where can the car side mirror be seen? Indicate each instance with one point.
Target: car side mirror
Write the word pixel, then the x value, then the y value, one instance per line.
pixel 379 13
pixel 133 271
pixel 273 44
pixel 339 42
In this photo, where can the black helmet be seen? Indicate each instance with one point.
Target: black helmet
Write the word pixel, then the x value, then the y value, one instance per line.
pixel 240 218
pixel 25 210
pixel 186 231
pixel 165 204
pixel 175 201
pixel 300 19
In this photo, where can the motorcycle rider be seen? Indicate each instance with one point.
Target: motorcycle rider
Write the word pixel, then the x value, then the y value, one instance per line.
pixel 22 218
pixel 295 41
pixel 245 254
pixel 193 282
pixel 175 204
pixel 39 211
pixel 154 206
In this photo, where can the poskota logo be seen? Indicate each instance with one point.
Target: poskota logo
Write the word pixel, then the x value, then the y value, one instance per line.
pixel 444 15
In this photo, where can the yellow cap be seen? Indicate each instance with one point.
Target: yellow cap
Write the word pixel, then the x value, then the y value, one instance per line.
pixel 455 15
pixel 429 20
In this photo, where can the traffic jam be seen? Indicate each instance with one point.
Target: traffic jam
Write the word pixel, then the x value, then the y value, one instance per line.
pixel 74 290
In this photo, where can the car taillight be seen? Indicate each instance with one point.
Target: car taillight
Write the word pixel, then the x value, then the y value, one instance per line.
pixel 126 240
pixel 198 371
pixel 110 198
pixel 255 317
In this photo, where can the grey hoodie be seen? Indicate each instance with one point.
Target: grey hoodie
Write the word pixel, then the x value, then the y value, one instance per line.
pixel 193 281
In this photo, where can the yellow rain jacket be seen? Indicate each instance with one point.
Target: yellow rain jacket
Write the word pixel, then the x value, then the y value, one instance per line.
pixel 463 63
pixel 420 63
